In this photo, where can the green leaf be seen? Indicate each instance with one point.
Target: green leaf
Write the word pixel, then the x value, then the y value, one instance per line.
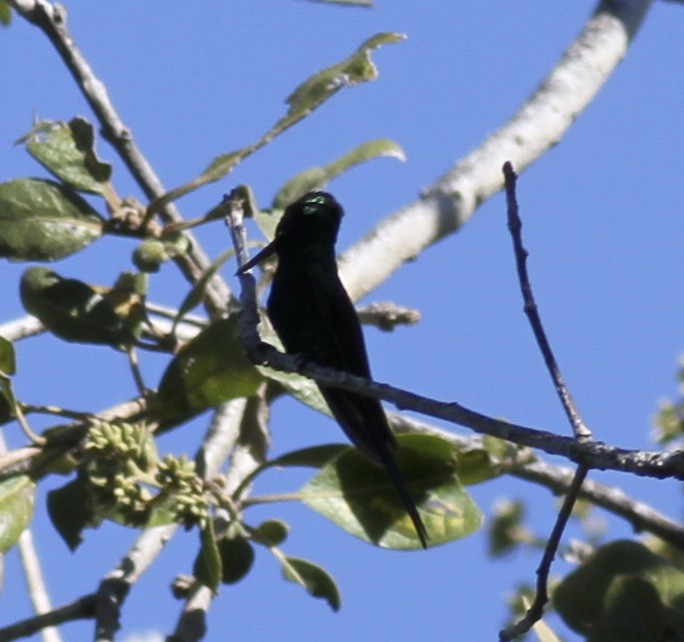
pixel 67 150
pixel 209 370
pixel 310 95
pixel 44 221
pixel 268 220
pixel 606 598
pixel 314 579
pixel 634 613
pixel 237 557
pixel 79 312
pixel 70 510
pixel 316 178
pixel 8 365
pixel 475 464
pixel 207 566
pixel 312 457
pixel 16 509
pixel 301 388
pixel 505 527
pixel 6 405
pixel 5 13
pixel 351 71
pixel 272 532
pixel 360 497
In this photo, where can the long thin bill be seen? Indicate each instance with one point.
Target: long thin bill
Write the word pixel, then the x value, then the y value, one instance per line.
pixel 261 256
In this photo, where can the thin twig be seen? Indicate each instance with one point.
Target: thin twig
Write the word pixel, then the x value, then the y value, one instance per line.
pixel 36 585
pixel 234 205
pixel 192 623
pixel 597 455
pixel 116 584
pixel 33 573
pixel 26 326
pixel 579 429
pixel 536 610
pixel 641 516
pixel 242 424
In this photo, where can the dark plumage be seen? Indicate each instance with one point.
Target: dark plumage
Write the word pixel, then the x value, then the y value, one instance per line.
pixel 314 316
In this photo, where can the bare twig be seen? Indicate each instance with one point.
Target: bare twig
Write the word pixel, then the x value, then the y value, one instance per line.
pixel 26 326
pixel 33 573
pixel 36 585
pixel 530 307
pixel 536 610
pixel 581 432
pixel 243 425
pixel 115 585
pixel 192 624
pixel 641 516
pixel 659 465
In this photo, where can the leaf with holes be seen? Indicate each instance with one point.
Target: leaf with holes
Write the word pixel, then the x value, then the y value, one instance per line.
pixel 67 150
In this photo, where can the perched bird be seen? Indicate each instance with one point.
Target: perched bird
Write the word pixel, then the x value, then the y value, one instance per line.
pixel 313 315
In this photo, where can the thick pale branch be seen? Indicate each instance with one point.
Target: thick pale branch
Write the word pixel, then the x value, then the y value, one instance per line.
pixel 539 124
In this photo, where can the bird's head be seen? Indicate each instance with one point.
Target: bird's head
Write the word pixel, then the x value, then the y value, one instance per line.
pixel 313 218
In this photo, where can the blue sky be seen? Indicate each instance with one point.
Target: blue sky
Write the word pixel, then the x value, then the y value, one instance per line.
pixel 602 218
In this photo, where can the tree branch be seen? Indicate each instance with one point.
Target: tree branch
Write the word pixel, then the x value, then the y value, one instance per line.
pixel 81 609
pixel 641 516
pixel 386 315
pixel 593 454
pixel 51 20
pixel 579 429
pixel 36 585
pixel 223 434
pixel 597 455
pixel 558 479
pixel 539 124
pixel 536 610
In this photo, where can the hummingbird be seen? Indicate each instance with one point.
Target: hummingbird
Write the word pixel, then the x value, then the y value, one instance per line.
pixel 314 317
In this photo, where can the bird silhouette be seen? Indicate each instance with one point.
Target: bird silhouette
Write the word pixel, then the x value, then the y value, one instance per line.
pixel 313 315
